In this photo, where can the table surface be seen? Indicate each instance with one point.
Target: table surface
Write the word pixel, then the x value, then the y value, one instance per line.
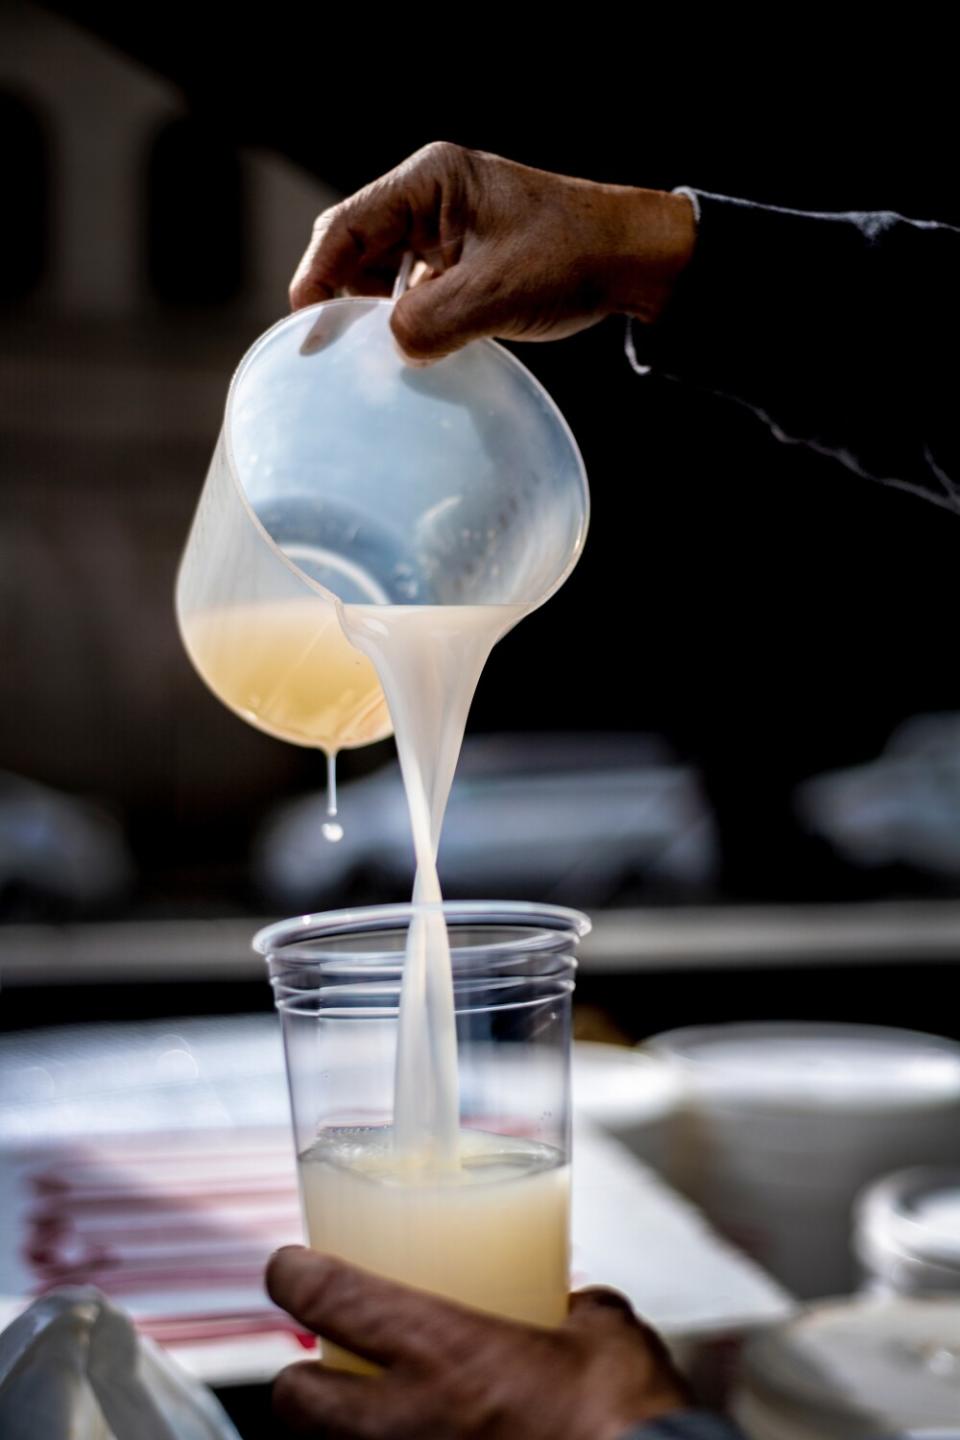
pixel 158 1157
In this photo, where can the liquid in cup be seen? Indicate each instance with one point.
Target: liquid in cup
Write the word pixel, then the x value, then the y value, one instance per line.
pixel 493 1234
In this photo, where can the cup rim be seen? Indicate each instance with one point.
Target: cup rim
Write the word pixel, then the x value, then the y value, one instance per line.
pixel 555 921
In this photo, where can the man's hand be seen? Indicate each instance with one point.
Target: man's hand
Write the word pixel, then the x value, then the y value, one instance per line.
pixel 506 250
pixel 449 1372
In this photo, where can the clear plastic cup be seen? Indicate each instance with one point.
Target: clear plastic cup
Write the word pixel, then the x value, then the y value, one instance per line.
pixel 495 1233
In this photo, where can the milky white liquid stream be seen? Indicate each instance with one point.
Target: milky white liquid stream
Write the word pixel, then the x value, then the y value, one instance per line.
pixel 299 671
pixel 429 659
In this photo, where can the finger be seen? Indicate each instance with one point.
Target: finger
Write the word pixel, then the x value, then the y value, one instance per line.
pixel 381 280
pixel 355 242
pixel 378 1319
pixel 599 1297
pixel 600 1308
pixel 307 1396
pixel 339 257
pixel 441 315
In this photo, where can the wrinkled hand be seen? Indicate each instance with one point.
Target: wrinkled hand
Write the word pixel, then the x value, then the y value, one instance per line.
pixel 450 1373
pixel 506 250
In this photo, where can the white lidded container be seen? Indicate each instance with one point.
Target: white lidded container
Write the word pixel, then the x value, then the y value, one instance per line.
pixel 782 1125
pixel 855 1370
pixel 907 1232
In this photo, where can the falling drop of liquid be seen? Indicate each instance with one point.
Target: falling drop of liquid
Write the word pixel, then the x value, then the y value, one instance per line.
pixel 331 829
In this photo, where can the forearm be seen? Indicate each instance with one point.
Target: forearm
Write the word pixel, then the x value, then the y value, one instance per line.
pixel 838 330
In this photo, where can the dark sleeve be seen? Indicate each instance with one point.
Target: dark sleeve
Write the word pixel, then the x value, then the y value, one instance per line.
pixel 687 1425
pixel 840 331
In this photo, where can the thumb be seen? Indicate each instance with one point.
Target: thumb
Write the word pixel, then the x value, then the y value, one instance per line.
pixel 599 1306
pixel 604 1312
pixel 599 1310
pixel 441 315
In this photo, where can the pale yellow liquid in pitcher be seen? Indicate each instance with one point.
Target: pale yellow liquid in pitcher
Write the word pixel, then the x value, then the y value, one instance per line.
pixel 288 668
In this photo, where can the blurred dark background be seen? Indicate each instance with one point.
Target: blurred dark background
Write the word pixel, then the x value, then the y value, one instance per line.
pixel 766 615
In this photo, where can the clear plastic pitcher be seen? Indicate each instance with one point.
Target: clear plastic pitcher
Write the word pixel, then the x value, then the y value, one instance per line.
pixel 345 475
